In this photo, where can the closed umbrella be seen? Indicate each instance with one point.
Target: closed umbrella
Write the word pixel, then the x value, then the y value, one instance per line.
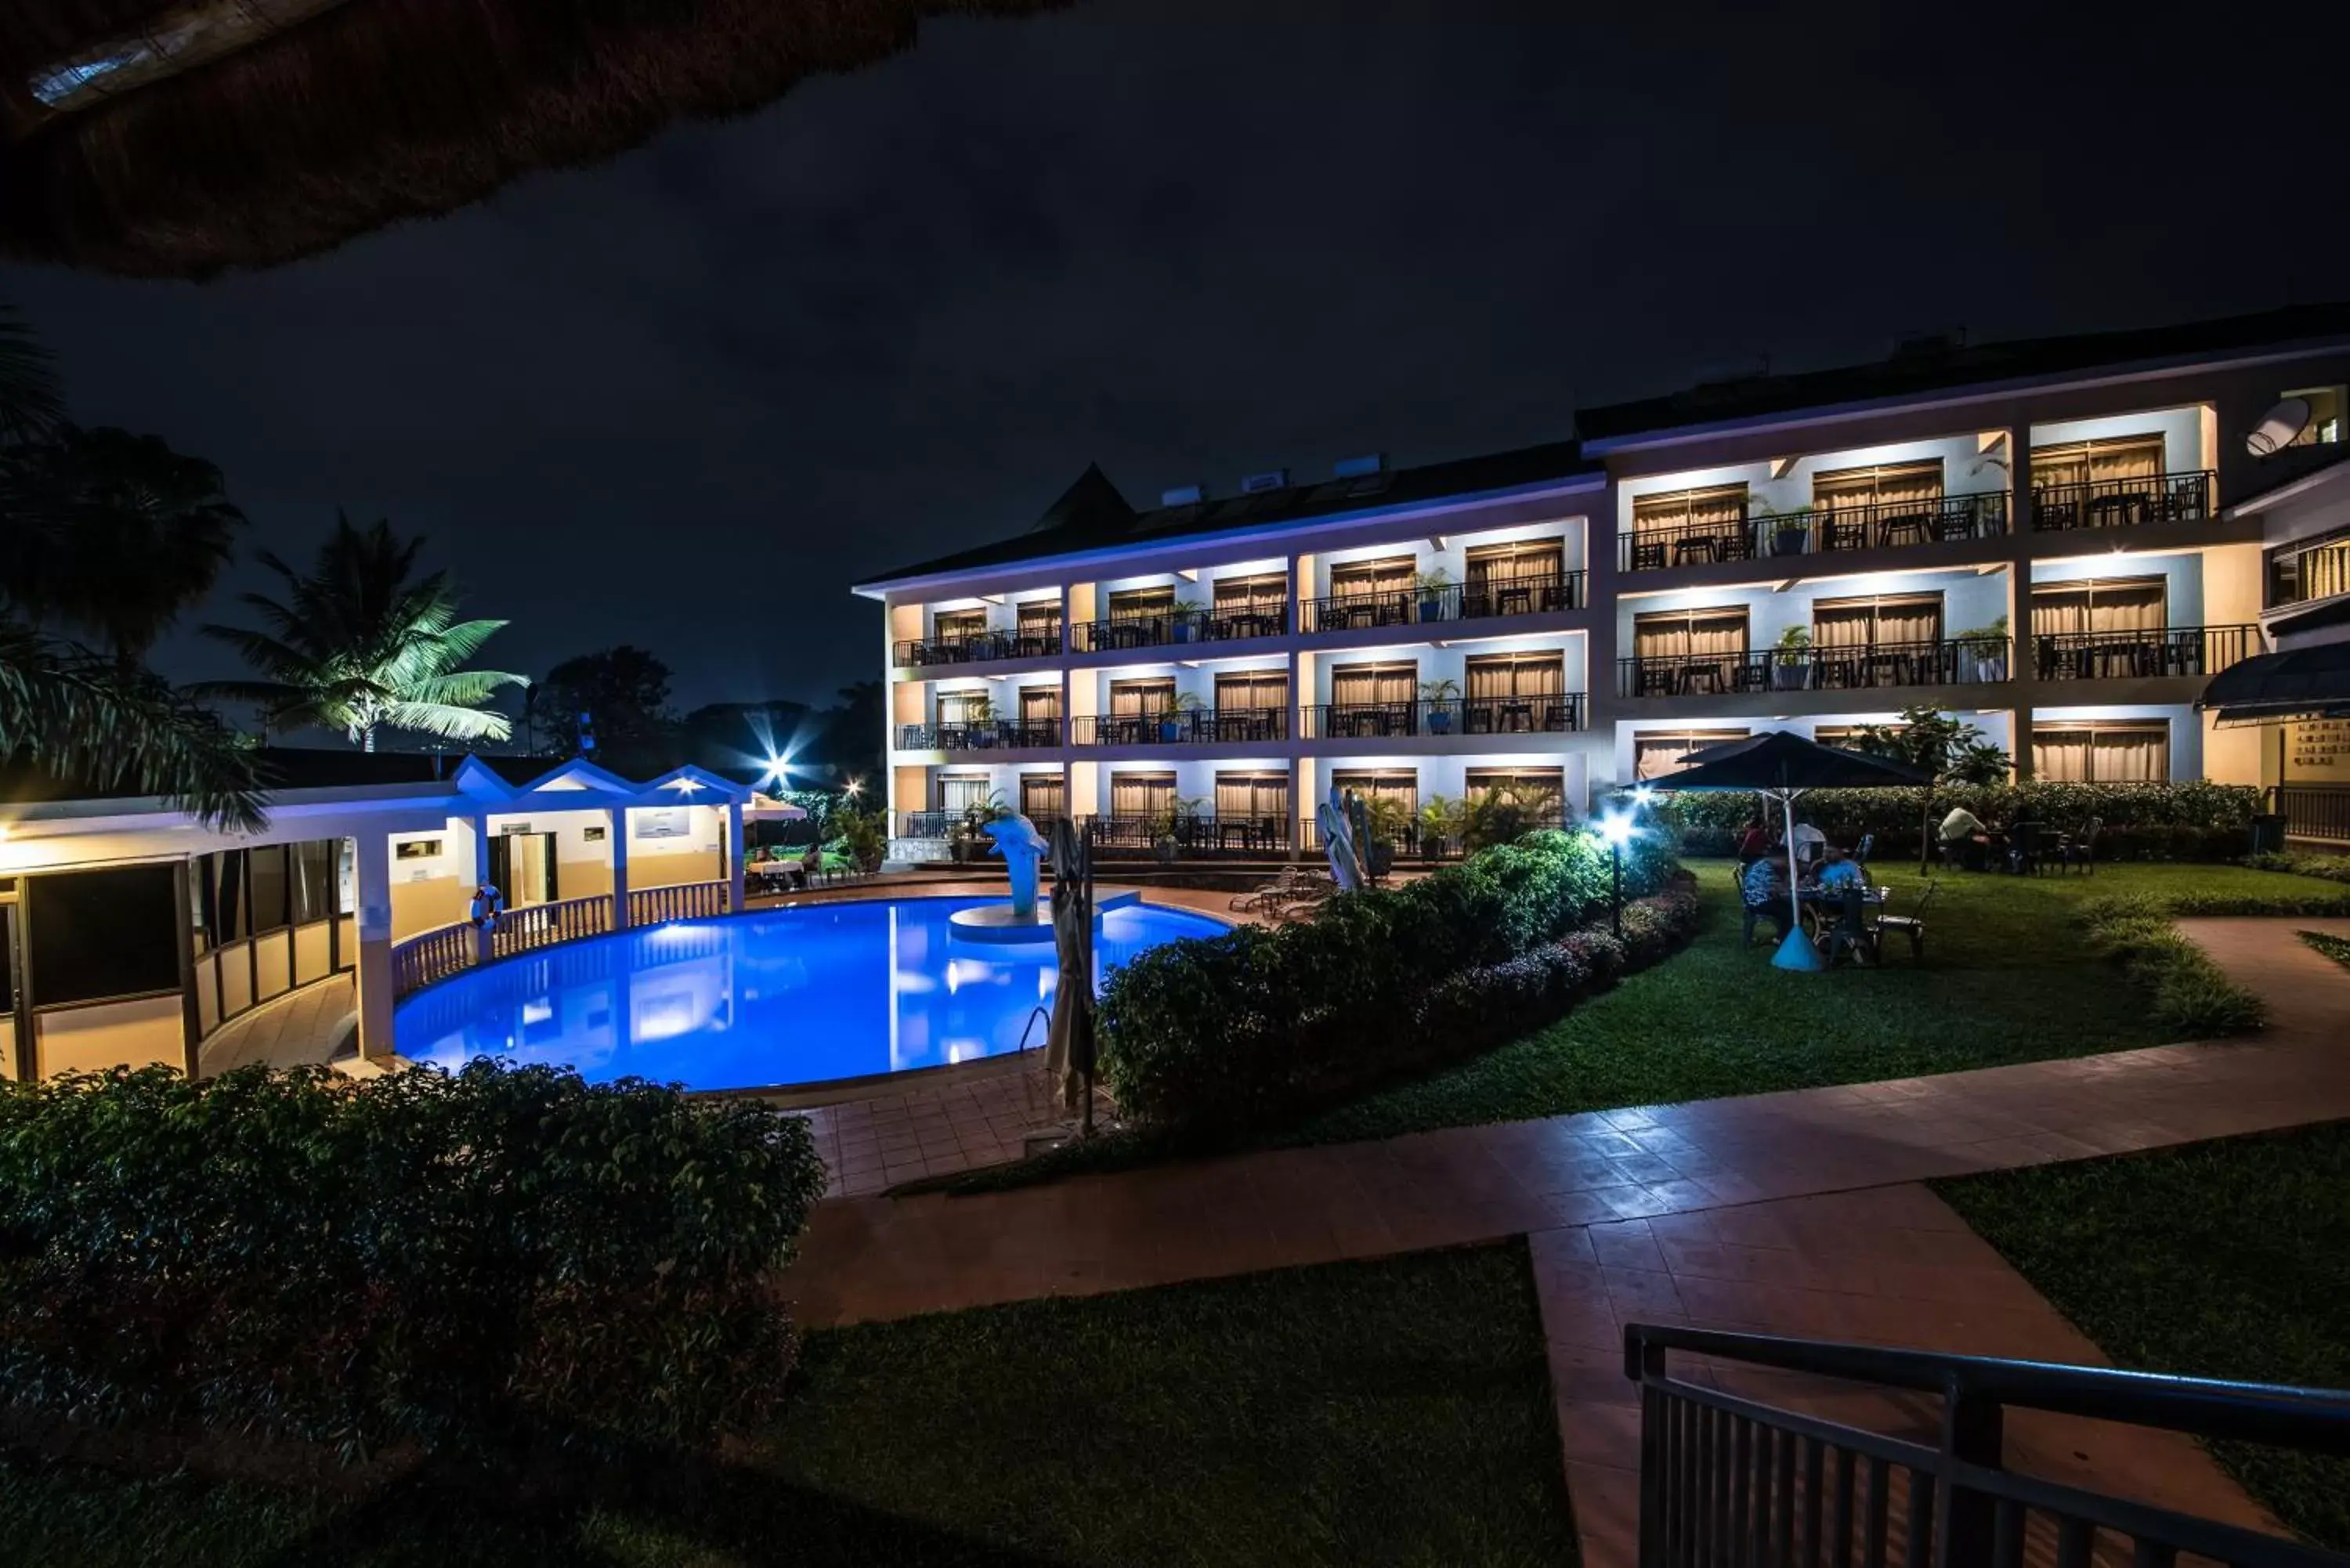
pixel 1779 764
pixel 1069 1039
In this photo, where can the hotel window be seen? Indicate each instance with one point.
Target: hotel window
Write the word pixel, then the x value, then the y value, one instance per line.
pixel 1266 595
pixel 959 707
pixel 1718 510
pixel 1360 684
pixel 1252 797
pixel 2118 751
pixel 1127 698
pixel 1141 794
pixel 1539 789
pixel 1658 754
pixel 1672 634
pixel 1889 486
pixel 1040 617
pixel 1251 691
pixel 1136 604
pixel 1358 578
pixel 961 791
pixel 94 936
pixel 2096 461
pixel 1044 796
pixel 2308 569
pixel 1498 565
pixel 1398 784
pixel 1040 704
pixel 1877 618
pixel 1494 675
pixel 2099 604
pixel 2326 407
pixel 953 625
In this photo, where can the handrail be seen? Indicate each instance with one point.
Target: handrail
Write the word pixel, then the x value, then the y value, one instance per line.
pixel 677 901
pixel 2153 651
pixel 431 956
pixel 2186 497
pixel 1184 727
pixel 1554 712
pixel 1953 662
pixel 981 734
pixel 537 926
pixel 978 648
pixel 1493 598
pixel 1813 530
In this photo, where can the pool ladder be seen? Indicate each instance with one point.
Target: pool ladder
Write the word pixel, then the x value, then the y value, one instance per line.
pixel 1034 1014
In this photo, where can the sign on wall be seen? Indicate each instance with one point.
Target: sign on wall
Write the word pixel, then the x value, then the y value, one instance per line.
pixel 2318 751
pixel 662 822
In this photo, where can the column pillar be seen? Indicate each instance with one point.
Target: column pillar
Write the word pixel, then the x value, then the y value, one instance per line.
pixel 372 972
pixel 617 836
pixel 482 936
pixel 2023 667
pixel 733 854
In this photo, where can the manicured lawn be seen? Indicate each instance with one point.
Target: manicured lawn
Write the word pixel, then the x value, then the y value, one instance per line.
pixel 2335 947
pixel 2006 979
pixel 1390 1412
pixel 2222 1260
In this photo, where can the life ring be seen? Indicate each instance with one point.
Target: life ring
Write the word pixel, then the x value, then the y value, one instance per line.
pixel 488 905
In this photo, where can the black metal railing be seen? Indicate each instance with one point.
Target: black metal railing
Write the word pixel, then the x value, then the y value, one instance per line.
pixel 2191 497
pixel 979 735
pixel 979 646
pixel 1191 833
pixel 2301 573
pixel 1481 601
pixel 1414 839
pixel 1960 662
pixel 1168 629
pixel 1728 1479
pixel 2321 811
pixel 1814 530
pixel 923 824
pixel 2142 655
pixel 1554 712
pixel 1185 727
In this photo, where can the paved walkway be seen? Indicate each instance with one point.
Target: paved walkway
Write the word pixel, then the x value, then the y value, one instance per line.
pixel 302 1026
pixel 1667 1212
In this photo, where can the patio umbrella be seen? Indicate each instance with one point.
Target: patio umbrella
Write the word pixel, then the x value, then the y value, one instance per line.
pixel 767 808
pixel 1779 764
pixel 1069 1034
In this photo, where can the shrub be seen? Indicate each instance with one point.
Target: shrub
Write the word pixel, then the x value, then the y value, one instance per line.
pixel 2191 995
pixel 2193 821
pixel 1257 1026
pixel 2331 867
pixel 421 1256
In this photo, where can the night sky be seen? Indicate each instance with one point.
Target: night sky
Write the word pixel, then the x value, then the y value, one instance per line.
pixel 685 399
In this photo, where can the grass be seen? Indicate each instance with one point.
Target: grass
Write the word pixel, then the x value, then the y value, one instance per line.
pixel 2335 948
pixel 1391 1412
pixel 2221 1259
pixel 2009 976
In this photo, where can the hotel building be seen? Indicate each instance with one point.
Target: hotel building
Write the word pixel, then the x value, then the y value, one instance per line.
pixel 2059 540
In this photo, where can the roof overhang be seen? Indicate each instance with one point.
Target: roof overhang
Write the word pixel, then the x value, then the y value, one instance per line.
pixel 2293 686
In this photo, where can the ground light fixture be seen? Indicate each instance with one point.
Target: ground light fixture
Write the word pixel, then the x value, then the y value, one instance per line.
pixel 1616 830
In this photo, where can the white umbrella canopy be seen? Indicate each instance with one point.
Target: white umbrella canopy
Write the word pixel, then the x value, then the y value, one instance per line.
pixel 767 808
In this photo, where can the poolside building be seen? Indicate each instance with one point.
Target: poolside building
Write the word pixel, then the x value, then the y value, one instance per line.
pixel 2061 540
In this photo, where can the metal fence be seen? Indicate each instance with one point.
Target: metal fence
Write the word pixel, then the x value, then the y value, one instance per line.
pixel 1483 600
pixel 1731 1482
pixel 2320 812
pixel 2126 503
pixel 1963 661
pixel 979 735
pixel 1554 712
pixel 979 648
pixel 2142 655
pixel 1814 530
pixel 1181 727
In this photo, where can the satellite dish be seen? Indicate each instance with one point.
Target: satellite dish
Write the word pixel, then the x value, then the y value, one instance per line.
pixel 2278 427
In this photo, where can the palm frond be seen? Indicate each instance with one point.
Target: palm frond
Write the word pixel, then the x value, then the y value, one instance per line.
pixel 449 722
pixel 466 688
pixel 30 402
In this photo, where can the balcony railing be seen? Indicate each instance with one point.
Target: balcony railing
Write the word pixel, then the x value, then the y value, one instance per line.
pixel 2321 811
pixel 981 735
pixel 433 955
pixel 2126 503
pixel 1192 834
pixel 1962 662
pixel 678 901
pixel 1189 727
pixel 980 648
pixel 544 924
pixel 1486 600
pixel 2177 650
pixel 923 824
pixel 1555 713
pixel 1815 530
pixel 1168 629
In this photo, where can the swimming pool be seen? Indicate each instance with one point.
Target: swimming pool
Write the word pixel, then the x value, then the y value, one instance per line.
pixel 802 995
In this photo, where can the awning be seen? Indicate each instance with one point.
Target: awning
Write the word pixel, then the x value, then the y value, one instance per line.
pixel 2282 688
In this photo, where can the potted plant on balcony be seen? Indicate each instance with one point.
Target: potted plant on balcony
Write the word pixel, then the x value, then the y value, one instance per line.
pixel 1388 820
pixel 1431 586
pixel 1184 617
pixel 1435 695
pixel 1789 529
pixel 1982 652
pixel 1176 715
pixel 1176 823
pixel 967 840
pixel 1792 670
pixel 1443 821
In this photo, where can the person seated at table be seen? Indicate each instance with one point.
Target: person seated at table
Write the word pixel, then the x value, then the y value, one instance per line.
pixel 1964 837
pixel 1753 844
pixel 1809 842
pixel 1763 890
pixel 2023 836
pixel 1838 872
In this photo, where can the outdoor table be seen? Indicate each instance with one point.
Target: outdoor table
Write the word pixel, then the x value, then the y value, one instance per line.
pixel 1697 548
pixel 1512 600
pixel 1517 716
pixel 1909 528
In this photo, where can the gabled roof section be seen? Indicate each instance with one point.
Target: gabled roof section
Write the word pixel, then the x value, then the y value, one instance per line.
pixel 1094 525
pixel 1929 368
pixel 697 785
pixel 579 773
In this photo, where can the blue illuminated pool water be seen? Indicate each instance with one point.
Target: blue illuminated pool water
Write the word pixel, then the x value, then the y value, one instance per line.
pixel 787 996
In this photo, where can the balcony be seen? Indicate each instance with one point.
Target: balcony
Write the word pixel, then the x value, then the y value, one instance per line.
pixel 1191 833
pixel 1559 712
pixel 1815 531
pixel 1451 602
pixel 2150 655
pixel 1864 667
pixel 1185 727
pixel 1171 629
pixel 2126 503
pixel 983 735
pixel 980 648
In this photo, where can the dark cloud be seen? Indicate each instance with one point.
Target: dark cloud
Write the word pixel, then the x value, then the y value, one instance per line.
pixel 684 400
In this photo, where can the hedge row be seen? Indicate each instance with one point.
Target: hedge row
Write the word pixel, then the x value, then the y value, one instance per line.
pixel 1258 1026
pixel 437 1258
pixel 2332 868
pixel 2193 821
pixel 2201 845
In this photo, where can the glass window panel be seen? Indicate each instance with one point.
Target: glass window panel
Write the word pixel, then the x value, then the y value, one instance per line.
pixel 90 935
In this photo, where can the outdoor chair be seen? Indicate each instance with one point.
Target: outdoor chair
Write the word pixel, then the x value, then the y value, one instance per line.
pixel 1848 934
pixel 1774 909
pixel 2080 848
pixel 1863 850
pixel 1912 925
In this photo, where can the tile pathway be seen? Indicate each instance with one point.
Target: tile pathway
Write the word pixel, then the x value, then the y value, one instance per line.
pixel 302 1026
pixel 1794 1212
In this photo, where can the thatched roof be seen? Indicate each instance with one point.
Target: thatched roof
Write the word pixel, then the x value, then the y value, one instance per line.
pixel 347 115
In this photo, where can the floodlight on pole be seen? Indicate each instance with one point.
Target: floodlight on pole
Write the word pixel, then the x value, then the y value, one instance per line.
pixel 1616 829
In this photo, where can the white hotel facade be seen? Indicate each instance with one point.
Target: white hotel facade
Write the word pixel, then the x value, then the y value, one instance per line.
pixel 2058 540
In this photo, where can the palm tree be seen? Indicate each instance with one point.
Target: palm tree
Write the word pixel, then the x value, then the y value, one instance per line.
pixel 356 647
pixel 98 721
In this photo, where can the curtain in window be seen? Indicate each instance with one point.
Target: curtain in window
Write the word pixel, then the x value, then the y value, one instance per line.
pixel 1252 797
pixel 1397 785
pixel 1537 560
pixel 1719 510
pixel 1892 486
pixel 1352 683
pixel 1517 675
pixel 955 707
pixel 2087 461
pixel 1661 751
pixel 1854 623
pixel 957 791
pixel 1141 794
pixel 1042 795
pixel 1666 633
pixel 1040 617
pixel 2103 753
pixel 1251 692
pixel 1039 704
pixel 1134 604
pixel 1357 578
pixel 1252 595
pixel 1127 698
pixel 953 624
pixel 1536 787
pixel 2133 604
